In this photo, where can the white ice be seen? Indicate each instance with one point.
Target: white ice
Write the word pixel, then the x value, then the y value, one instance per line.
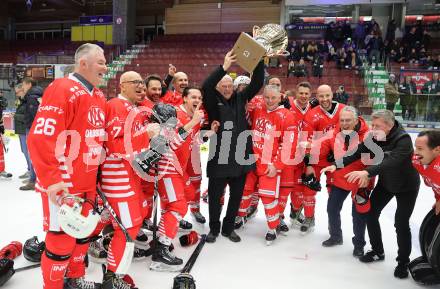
pixel 292 261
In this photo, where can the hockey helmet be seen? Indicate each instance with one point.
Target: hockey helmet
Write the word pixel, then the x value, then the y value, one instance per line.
pixel 33 249
pixel 164 114
pixel 242 79
pixel 74 223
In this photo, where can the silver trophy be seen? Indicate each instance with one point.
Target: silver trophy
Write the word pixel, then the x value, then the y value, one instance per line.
pixel 273 38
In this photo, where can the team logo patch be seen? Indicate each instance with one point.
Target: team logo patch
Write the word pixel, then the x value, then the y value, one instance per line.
pixel 96 117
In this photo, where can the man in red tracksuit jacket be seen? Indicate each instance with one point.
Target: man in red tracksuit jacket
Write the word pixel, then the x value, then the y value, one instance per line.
pixel 426 160
pixel 348 134
pixel 273 127
pixel 65 145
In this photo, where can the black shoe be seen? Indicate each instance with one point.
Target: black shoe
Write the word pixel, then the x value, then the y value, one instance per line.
pixel 199 217
pixel 232 236
pixel 239 222
pixel 185 225
pixel 282 227
pixel 401 270
pixel 212 237
pixel 332 242
pixel 252 212
pixel 358 252
pixel 111 281
pixel 81 283
pixel 372 256
pixel 271 236
pixel 164 260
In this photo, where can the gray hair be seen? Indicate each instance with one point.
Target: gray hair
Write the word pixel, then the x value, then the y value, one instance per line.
pixel 386 115
pixel 84 50
pixel 351 109
pixel 271 87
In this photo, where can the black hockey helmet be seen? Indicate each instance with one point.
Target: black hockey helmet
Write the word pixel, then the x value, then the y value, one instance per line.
pixel 164 114
pixel 33 249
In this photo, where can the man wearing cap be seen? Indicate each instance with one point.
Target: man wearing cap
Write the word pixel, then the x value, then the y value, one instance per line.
pixel 391 92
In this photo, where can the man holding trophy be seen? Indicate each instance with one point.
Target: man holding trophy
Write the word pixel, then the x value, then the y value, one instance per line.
pixel 230 154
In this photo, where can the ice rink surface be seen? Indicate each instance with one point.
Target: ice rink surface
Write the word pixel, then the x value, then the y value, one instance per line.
pixel 292 261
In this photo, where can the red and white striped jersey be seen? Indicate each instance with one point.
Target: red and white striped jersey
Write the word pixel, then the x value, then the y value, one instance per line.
pixel 126 137
pixel 176 159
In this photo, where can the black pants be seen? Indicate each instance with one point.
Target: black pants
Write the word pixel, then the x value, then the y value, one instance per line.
pixel 216 187
pixel 334 206
pixel 405 206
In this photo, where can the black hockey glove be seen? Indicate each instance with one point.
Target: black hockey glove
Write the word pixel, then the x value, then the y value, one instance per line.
pixel 6 270
pixel 311 182
pixel 145 160
pixel 2 129
pixel 286 103
pixel 331 157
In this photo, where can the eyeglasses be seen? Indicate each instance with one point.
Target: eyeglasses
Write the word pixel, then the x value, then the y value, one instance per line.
pixel 135 82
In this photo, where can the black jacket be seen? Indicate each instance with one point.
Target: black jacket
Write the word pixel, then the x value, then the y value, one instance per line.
pixel 19 125
pixel 223 163
pixel 31 103
pixel 396 172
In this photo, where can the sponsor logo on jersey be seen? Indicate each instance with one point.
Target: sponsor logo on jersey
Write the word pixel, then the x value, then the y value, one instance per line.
pixel 95 132
pixel 96 117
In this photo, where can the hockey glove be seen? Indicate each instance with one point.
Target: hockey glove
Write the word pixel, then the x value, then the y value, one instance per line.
pixel 6 270
pixel 311 182
pixel 331 157
pixel 286 103
pixel 361 200
pixel 2 129
pixel 145 160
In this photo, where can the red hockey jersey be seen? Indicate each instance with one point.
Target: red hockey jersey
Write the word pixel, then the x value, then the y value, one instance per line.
pixel 430 174
pixel 338 146
pixel 172 97
pixel 298 112
pixel 176 159
pixel 65 141
pixel 270 130
pixel 320 120
pixel 126 128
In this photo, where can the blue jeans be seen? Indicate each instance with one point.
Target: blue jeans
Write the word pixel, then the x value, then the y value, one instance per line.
pixel 24 150
pixel 32 177
pixel 334 206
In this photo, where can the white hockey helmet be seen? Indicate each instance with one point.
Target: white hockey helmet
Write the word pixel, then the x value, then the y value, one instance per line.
pixel 241 79
pixel 74 223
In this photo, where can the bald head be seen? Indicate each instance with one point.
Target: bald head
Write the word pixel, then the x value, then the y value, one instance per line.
pixel 132 86
pixel 128 76
pixel 180 81
pixel 324 95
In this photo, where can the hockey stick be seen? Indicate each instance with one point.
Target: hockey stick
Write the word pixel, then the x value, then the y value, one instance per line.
pixel 184 279
pixel 27 267
pixel 7 270
pixel 155 194
pixel 129 245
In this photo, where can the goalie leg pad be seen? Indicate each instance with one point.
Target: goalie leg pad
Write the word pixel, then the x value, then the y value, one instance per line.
pixel 117 258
